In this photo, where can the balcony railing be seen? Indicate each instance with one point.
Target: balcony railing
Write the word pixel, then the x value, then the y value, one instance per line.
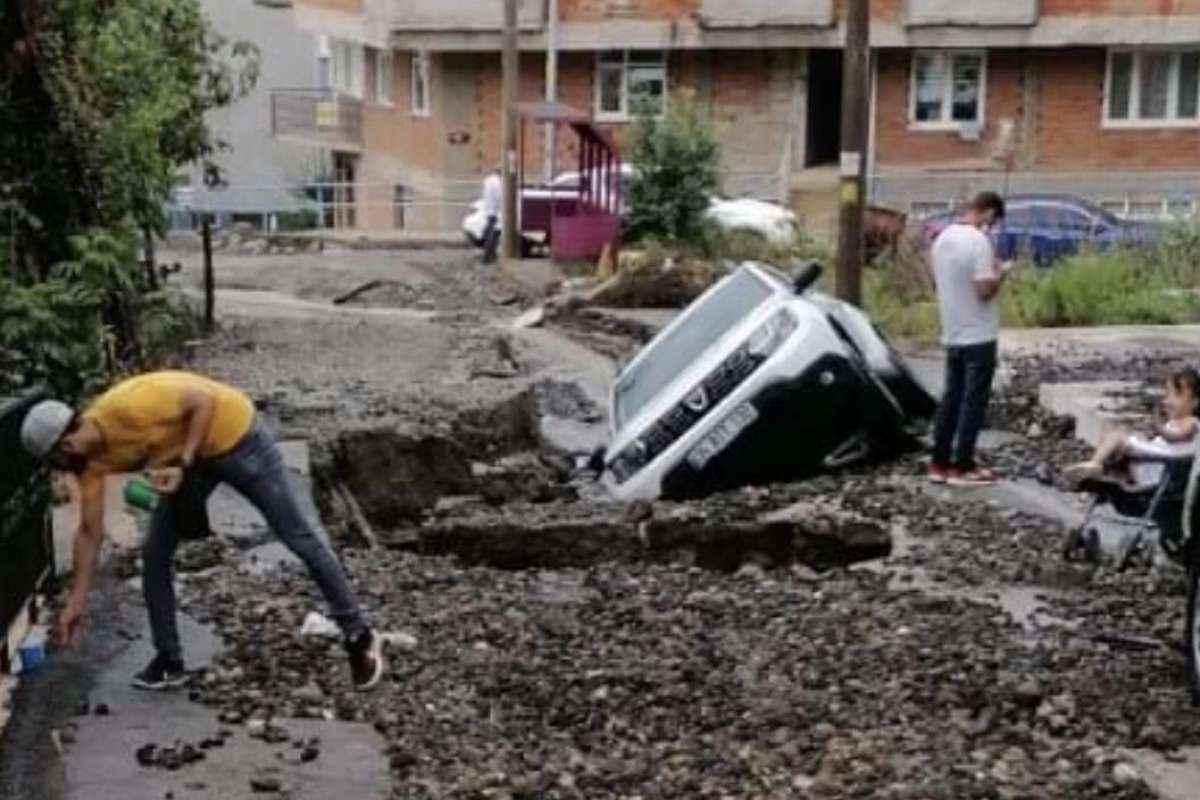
pixel 766 13
pixel 463 15
pixel 317 116
pixel 975 13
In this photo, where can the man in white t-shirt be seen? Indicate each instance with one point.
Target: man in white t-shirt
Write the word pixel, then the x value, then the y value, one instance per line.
pixel 968 279
pixel 493 193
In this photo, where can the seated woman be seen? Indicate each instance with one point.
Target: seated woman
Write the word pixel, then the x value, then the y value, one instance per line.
pixel 1141 456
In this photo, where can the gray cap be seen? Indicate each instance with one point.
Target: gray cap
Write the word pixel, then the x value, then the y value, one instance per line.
pixel 44 425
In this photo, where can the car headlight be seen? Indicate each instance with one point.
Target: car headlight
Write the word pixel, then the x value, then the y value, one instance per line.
pixel 771 334
pixel 629 461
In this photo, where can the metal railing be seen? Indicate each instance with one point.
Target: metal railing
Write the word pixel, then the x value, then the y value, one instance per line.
pixel 26 552
pixel 317 116
pixel 1127 195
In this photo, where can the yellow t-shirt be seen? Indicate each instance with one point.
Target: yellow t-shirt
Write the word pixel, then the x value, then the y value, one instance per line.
pixel 143 424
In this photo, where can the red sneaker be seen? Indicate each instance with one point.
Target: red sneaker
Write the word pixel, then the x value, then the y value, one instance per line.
pixel 938 474
pixel 980 476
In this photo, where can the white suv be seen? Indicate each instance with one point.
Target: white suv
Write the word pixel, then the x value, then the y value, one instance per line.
pixel 760 379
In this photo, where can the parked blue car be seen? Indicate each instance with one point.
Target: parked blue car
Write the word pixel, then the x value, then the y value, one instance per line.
pixel 1048 227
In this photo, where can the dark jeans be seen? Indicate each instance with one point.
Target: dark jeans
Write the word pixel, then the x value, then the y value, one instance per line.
pixel 491 239
pixel 256 470
pixel 960 416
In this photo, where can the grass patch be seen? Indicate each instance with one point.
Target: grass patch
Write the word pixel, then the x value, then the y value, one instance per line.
pixel 1157 286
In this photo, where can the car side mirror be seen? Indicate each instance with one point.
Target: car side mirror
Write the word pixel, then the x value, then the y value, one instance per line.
pixel 808 275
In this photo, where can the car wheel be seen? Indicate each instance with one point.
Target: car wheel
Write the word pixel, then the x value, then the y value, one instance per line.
pixel 1192 639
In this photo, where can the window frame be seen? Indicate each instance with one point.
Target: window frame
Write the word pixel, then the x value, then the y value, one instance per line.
pixel 947 122
pixel 385 71
pixel 420 76
pixel 628 67
pixel 348 78
pixel 1134 120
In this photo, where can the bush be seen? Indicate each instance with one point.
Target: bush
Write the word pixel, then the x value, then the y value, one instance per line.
pixel 1120 287
pixel 675 161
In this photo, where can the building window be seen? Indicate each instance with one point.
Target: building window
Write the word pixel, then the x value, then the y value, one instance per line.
pixel 630 82
pixel 420 84
pixel 948 88
pixel 348 66
pixel 1152 88
pixel 379 73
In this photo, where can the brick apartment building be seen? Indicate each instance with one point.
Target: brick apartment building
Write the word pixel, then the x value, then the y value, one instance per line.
pixel 1096 97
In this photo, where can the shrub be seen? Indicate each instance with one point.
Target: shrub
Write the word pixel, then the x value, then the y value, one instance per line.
pixel 1120 287
pixel 675 161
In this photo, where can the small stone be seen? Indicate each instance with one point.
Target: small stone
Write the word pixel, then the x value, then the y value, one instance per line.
pixel 1028 694
pixel 309 754
pixel 256 728
pixel 146 755
pixel 309 694
pixel 1126 774
pixel 101 710
pixel 264 784
pixel 83 709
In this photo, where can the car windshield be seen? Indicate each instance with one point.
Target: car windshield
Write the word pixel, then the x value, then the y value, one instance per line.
pixel 740 295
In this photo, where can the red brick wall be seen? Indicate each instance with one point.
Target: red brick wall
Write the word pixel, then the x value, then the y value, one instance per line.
pixel 1119 7
pixel 897 144
pixel 350 6
pixel 591 10
pixel 1071 135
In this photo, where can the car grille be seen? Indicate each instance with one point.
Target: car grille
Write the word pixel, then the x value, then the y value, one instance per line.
pixel 717 385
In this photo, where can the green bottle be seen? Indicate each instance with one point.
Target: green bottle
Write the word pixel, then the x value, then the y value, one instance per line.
pixel 140 494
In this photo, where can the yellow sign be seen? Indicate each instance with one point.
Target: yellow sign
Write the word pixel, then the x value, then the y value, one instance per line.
pixel 326 114
pixel 849 192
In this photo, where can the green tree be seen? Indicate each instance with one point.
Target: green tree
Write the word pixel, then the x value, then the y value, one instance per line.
pixel 101 103
pixel 675 161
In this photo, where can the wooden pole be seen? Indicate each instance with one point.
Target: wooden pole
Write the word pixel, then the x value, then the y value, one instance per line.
pixel 855 113
pixel 510 66
pixel 551 130
pixel 209 288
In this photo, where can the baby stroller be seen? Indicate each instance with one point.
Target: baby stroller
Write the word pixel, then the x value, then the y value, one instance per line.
pixel 1147 507
pixel 1173 507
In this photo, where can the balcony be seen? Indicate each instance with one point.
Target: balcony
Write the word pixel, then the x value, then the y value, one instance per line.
pixel 970 13
pixel 412 16
pixel 766 13
pixel 319 117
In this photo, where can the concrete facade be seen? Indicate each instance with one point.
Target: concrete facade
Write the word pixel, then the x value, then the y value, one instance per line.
pixel 259 170
pixel 766 75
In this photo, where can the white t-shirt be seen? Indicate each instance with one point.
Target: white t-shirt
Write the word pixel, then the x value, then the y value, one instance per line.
pixel 961 255
pixel 493 191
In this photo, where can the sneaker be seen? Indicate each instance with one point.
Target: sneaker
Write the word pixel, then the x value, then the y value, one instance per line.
pixel 938 474
pixel 160 674
pixel 366 660
pixel 979 476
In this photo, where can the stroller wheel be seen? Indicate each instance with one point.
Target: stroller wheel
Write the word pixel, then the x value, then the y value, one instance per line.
pixel 1133 548
pixel 1193 632
pixel 1074 546
pixel 1091 546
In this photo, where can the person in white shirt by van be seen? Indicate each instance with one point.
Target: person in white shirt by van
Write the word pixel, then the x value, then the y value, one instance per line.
pixel 493 193
pixel 968 279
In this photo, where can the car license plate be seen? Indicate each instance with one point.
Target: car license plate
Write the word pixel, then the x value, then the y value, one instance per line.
pixel 721 436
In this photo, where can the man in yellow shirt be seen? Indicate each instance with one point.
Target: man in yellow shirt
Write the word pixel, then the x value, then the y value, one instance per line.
pixel 189 433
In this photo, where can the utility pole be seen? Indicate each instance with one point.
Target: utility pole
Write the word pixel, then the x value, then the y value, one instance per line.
pixel 510 64
pixel 551 88
pixel 855 112
pixel 210 291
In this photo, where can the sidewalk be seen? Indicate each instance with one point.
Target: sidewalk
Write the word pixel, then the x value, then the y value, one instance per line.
pixel 99 746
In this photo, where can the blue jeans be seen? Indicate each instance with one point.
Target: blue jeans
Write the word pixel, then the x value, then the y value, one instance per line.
pixel 256 470
pixel 960 417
